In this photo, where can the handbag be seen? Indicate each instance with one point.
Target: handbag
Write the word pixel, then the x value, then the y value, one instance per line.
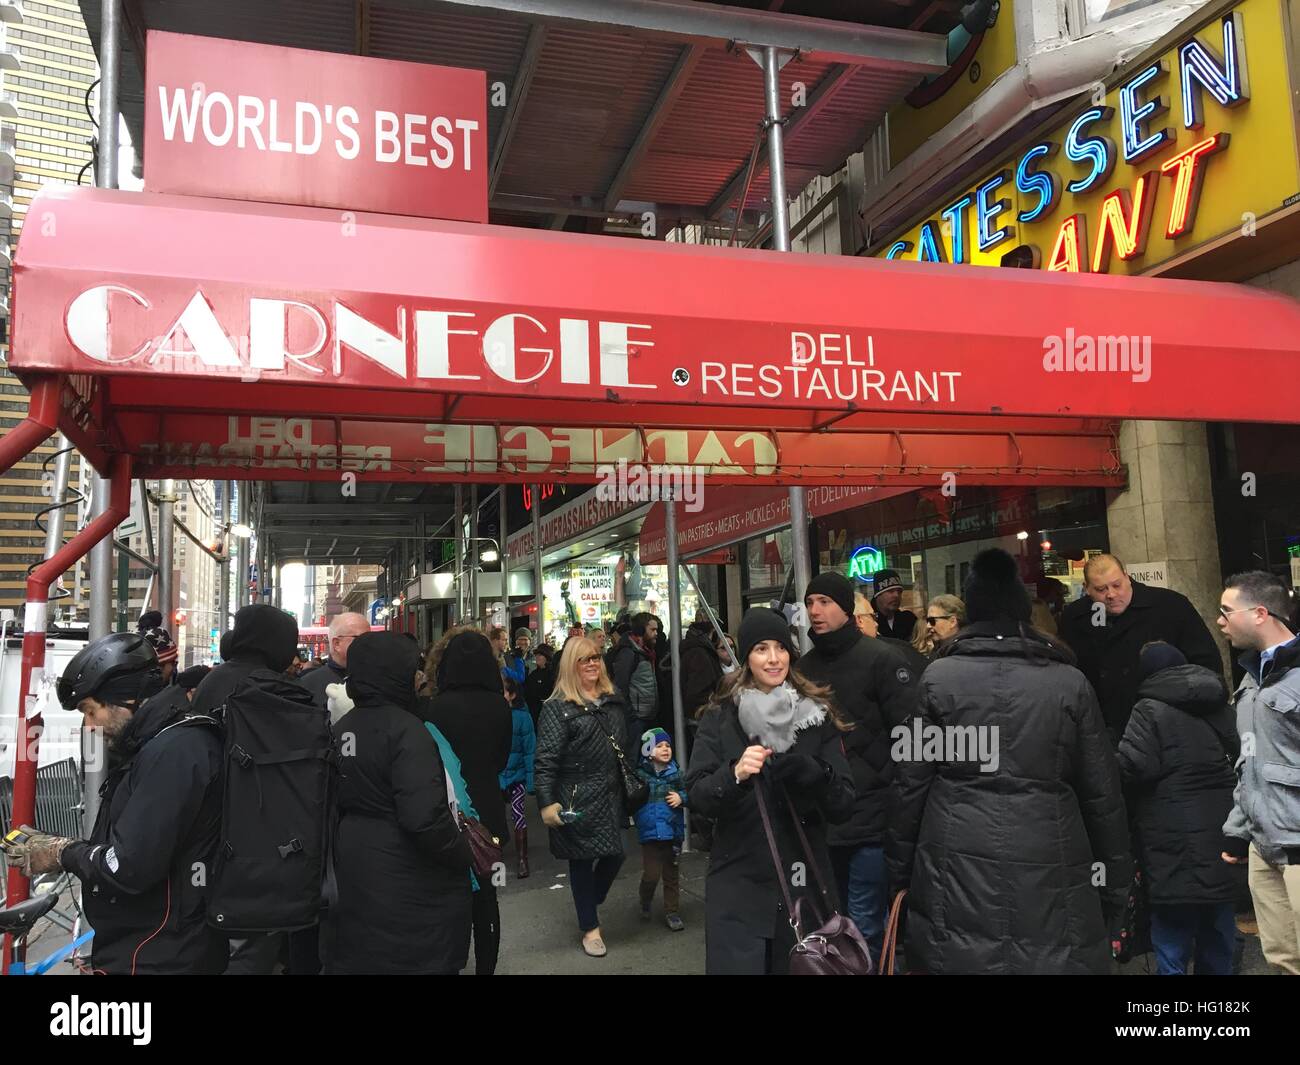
pixel 889 949
pixel 635 790
pixel 835 947
pixel 1133 936
pixel 484 848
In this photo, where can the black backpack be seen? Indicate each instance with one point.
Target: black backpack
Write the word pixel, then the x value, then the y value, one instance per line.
pixel 275 822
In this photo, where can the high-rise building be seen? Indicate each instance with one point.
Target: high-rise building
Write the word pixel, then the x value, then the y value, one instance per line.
pixel 48 68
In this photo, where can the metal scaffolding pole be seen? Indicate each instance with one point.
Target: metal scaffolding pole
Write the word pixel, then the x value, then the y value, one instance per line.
pixel 166 549
pixel 503 502
pixel 242 552
pixel 772 60
pixel 460 555
pixel 54 522
pixel 675 642
pixel 537 562
pixel 223 567
pixel 473 552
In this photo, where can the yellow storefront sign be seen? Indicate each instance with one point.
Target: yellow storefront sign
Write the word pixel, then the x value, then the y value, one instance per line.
pixel 1194 140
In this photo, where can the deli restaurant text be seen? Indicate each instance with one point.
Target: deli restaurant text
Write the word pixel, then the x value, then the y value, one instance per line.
pixel 1163 192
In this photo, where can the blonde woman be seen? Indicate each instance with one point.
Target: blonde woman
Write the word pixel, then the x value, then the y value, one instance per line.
pixel 767 728
pixel 577 777
pixel 944 615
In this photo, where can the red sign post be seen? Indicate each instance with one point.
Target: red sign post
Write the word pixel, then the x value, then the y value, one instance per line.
pixel 286 125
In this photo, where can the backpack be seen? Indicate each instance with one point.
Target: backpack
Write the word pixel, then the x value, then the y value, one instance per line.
pixel 275 821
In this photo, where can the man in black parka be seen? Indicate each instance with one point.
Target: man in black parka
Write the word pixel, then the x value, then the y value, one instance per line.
pixel 875 689
pixel 143 869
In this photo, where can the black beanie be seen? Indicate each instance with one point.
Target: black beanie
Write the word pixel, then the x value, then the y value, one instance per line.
pixel 1158 655
pixel 759 624
pixel 994 591
pixel 835 586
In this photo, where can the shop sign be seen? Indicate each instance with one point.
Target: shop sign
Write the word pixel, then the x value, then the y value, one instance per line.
pixel 1295 572
pixel 1188 144
pixel 595 585
pixel 865 562
pixel 285 125
pixel 1155 574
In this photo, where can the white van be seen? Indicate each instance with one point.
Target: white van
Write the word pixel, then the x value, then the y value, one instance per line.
pixel 60 736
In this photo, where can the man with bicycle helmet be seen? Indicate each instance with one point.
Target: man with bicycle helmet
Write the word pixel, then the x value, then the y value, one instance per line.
pixel 145 868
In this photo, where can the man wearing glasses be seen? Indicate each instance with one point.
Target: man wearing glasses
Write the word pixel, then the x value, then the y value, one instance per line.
pixel 344 628
pixel 1264 826
pixel 1115 618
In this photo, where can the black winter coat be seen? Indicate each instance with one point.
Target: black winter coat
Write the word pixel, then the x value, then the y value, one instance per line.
pixel 575 765
pixel 316 680
pixel 1176 760
pixel 472 714
pixel 744 906
pixel 1108 654
pixel 900 628
pixel 160 819
pixel 875 689
pixel 701 672
pixel 1001 863
pixel 402 866
pixel 538 686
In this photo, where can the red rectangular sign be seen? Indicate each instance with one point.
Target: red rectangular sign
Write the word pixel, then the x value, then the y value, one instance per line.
pixel 285 125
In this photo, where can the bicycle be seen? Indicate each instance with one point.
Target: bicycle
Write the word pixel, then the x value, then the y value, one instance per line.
pixel 19 920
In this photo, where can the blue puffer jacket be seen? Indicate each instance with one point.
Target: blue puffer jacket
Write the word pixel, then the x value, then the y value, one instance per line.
pixel 516 669
pixel 656 820
pixel 523 744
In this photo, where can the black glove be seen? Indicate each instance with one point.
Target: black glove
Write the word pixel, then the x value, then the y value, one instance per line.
pixel 801 771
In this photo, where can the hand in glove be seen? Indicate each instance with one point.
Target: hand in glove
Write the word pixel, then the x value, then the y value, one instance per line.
pixel 801 771
pixel 39 853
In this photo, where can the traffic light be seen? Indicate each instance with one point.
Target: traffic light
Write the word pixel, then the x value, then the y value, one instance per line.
pixel 179 617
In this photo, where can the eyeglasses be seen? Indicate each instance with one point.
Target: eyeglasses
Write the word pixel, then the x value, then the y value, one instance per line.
pixel 1225 612
pixel 873 616
pixel 588 660
pixel 939 617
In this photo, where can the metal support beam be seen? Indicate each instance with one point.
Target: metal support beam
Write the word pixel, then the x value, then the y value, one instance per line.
pixel 719 26
pixel 473 553
pixel 515 104
pixel 503 531
pixel 166 551
pixel 672 89
pixel 834 80
pixel 242 550
pixel 460 555
pixel 537 562
pixel 674 641
pixel 223 567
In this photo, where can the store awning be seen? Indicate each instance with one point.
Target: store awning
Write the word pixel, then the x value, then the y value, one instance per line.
pixel 214 338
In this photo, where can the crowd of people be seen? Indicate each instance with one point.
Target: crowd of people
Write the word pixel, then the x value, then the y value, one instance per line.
pixel 1027 771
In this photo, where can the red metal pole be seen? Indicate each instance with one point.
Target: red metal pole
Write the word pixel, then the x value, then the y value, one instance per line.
pixel 41 421
pixel 34 620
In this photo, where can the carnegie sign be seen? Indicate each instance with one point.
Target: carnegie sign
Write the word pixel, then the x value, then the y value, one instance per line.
pixel 260 122
pixel 1194 140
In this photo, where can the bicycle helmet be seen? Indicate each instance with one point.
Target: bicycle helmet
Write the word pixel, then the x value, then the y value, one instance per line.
pixel 112 657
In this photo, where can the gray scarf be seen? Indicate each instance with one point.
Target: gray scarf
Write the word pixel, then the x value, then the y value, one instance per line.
pixel 774 717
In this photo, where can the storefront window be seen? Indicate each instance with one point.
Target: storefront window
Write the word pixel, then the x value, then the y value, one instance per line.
pixel 767 559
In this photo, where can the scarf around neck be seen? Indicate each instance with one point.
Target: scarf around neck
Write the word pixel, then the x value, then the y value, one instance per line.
pixel 774 717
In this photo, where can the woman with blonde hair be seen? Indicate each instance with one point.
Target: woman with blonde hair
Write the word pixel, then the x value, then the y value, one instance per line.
pixel 580 741
pixel 767 728
pixel 944 615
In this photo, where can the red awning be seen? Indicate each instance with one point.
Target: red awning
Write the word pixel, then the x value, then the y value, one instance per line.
pixel 211 337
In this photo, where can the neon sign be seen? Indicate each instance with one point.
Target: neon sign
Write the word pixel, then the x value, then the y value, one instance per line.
pixel 1081 159
pixel 865 562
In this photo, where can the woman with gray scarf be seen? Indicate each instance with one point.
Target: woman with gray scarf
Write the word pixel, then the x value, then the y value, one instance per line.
pixel 767 728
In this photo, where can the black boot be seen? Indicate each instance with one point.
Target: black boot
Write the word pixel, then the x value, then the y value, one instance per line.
pixel 521 845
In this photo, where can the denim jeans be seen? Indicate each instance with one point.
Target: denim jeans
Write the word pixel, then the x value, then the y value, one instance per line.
pixel 864 890
pixel 591 880
pixel 1208 931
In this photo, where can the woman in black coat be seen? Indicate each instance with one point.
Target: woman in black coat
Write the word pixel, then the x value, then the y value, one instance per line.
pixel 577 777
pixel 403 869
pixel 1011 828
pixel 471 712
pixel 770 729
pixel 1176 759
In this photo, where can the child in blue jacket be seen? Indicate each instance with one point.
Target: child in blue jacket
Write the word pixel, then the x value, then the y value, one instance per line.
pixel 661 825
pixel 517 778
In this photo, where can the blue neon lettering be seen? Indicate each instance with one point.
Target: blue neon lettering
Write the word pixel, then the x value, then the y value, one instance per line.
pixel 1098 151
pixel 1047 185
pixel 987 210
pixel 931 244
pixel 1136 146
pixel 956 215
pixel 898 249
pixel 1225 80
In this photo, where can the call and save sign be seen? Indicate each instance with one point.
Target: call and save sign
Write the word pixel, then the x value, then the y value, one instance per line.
pixel 1192 142
pixel 285 125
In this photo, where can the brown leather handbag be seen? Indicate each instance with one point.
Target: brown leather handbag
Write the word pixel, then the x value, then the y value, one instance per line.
pixel 484 848
pixel 835 947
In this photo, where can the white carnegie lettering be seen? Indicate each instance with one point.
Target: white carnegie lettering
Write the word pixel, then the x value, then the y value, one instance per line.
pixel 366 338
pixel 198 323
pixel 268 329
pixel 500 351
pixel 87 323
